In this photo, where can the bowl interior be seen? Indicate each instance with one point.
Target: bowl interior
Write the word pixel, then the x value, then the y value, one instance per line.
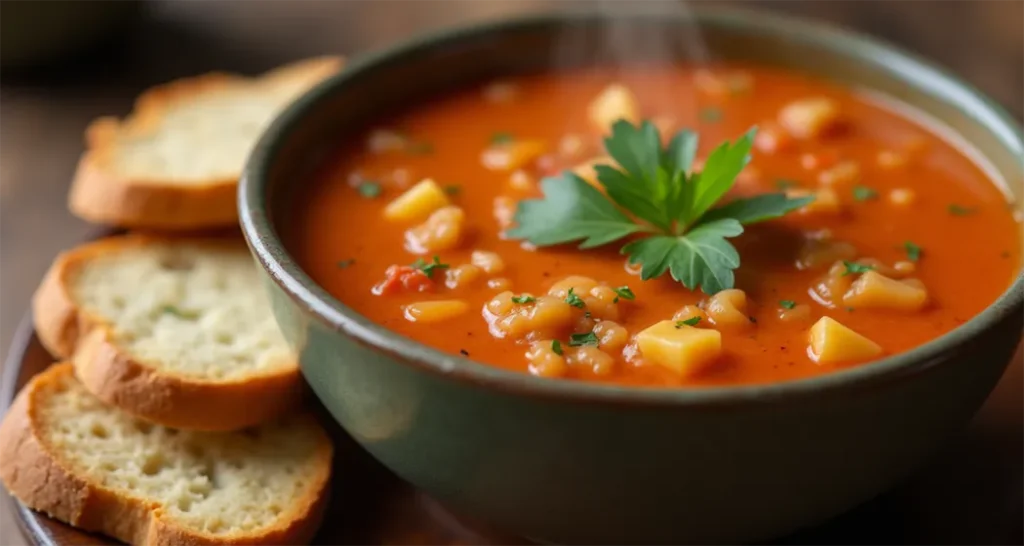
pixel 378 85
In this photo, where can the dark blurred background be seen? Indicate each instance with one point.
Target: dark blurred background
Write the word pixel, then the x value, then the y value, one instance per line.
pixel 66 62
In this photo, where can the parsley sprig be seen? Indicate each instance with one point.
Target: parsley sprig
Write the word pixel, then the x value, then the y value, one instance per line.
pixel 653 193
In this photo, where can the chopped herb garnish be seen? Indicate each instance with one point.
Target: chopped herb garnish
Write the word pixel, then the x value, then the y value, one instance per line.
pixel 581 340
pixel 342 264
pixel 752 319
pixel 623 292
pixel 574 300
pixel 525 298
pixel 429 268
pixel 692 321
pixel 787 304
pixel 178 312
pixel 463 352
pixel 849 309
pixel 556 347
pixel 653 192
pixel 957 210
pixel 710 114
pixel 853 268
pixel 419 148
pixel 502 137
pixel 913 251
pixel 785 183
pixel 369 190
pixel 453 189
pixel 864 193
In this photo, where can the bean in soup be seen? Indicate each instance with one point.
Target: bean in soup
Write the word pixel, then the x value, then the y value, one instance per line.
pixel 881 236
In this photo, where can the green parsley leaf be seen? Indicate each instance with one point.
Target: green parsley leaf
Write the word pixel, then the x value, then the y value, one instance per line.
pixel 502 137
pixel 571 210
pixel 453 189
pixel 692 321
pixel 525 298
pixel 429 268
pixel 581 340
pixel 342 264
pixel 710 114
pixel 574 300
pixel 623 292
pixel 556 347
pixel 702 258
pixel 853 268
pixel 653 198
pixel 913 251
pixel 787 304
pixel 369 190
pixel 957 210
pixel 864 193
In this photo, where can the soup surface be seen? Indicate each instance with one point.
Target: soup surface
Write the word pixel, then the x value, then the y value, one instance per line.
pixel 906 237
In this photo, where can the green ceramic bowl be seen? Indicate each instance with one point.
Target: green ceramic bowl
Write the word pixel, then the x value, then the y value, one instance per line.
pixel 564 461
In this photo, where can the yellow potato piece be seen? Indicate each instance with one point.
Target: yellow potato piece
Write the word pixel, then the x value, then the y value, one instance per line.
pixel 435 311
pixel 825 201
pixel 614 103
pixel 685 350
pixel 513 155
pixel 832 343
pixel 876 291
pixel 417 202
pixel 810 118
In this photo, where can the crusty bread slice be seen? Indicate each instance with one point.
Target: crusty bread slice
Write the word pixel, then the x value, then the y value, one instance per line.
pixel 65 453
pixel 178 331
pixel 174 163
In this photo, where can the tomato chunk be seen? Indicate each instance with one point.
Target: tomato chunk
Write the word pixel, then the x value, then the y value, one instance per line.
pixel 399 278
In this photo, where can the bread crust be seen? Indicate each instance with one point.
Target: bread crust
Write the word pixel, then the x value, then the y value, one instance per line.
pixel 115 377
pixel 101 194
pixel 39 478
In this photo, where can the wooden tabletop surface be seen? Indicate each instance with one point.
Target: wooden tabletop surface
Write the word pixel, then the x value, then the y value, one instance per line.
pixel 43 112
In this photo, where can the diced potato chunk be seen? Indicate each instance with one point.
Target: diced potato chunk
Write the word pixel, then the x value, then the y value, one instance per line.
pixel 435 311
pixel 772 138
pixel 810 118
pixel 504 210
pixel 612 336
pixel 690 312
pixel 818 253
pixel 901 197
pixel 512 155
pixel 521 180
pixel 490 262
pixel 888 159
pixel 462 276
pixel 684 350
pixel 876 291
pixel 442 231
pixel 590 358
pixel 417 202
pixel 832 342
pixel 843 173
pixel 544 361
pixel 614 103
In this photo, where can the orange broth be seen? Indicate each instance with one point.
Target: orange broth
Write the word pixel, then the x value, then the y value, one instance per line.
pixel 967 259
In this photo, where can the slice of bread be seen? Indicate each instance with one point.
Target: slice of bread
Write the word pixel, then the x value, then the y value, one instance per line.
pixel 177 331
pixel 65 453
pixel 174 163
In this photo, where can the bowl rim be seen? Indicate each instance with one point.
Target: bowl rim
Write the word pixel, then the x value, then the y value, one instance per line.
pixel 270 252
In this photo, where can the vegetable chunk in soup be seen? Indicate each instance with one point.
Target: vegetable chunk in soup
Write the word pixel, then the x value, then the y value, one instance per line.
pixel 659 226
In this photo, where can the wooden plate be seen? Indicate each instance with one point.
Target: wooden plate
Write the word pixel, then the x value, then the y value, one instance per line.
pixel 970 494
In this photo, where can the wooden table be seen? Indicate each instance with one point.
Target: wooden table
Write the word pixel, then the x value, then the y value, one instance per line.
pixel 43 113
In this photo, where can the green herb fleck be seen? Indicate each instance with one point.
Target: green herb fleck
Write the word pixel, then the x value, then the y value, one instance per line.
pixel 692 321
pixel 787 304
pixel 913 251
pixel 453 189
pixel 581 340
pixel 525 298
pixel 785 183
pixel 652 197
pixel 957 210
pixel 180 313
pixel 342 264
pixel 369 190
pixel 864 193
pixel 419 148
pixel 623 292
pixel 429 268
pixel 502 137
pixel 574 300
pixel 853 268
pixel 710 114
pixel 556 347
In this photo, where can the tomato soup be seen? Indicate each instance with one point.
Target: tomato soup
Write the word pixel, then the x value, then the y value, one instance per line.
pixel 899 236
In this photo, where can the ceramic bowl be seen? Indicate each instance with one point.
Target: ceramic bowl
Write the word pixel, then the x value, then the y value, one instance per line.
pixel 568 462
